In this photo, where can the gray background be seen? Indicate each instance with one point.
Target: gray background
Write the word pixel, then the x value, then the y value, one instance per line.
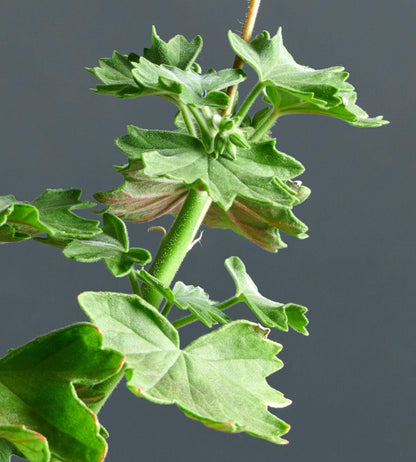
pixel 352 381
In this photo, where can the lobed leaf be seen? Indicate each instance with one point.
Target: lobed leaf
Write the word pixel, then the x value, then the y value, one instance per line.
pixel 112 246
pixel 258 173
pixel 219 379
pixel 37 395
pixel 50 213
pixel 141 198
pixel 301 89
pixel 22 442
pixel 270 313
pixel 187 297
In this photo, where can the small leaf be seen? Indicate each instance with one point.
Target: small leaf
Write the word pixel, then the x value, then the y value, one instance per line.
pixel 19 440
pixel 191 298
pixel 6 208
pixel 197 301
pixel 219 379
pixel 36 390
pixel 300 89
pixel 112 246
pixel 188 87
pixel 177 52
pixel 270 313
pixel 257 173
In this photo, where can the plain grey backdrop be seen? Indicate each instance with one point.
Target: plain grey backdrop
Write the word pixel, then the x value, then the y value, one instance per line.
pixel 352 381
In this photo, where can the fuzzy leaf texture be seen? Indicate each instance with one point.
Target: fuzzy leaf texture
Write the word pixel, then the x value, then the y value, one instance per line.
pixel 141 198
pixel 270 313
pixel 112 246
pixel 39 409
pixel 50 213
pixel 219 379
pixel 301 89
pixel 187 297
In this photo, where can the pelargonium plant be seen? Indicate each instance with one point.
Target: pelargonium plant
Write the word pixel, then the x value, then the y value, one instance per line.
pixel 221 168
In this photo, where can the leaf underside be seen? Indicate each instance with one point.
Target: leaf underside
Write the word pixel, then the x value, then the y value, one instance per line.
pixel 219 379
pixel 38 403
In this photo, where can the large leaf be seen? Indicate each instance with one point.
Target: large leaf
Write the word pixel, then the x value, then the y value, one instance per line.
pixel 141 198
pixel 36 390
pixel 177 52
pixel 112 246
pixel 19 440
pixel 186 297
pixel 219 379
pixel 188 87
pixel 300 89
pixel 50 213
pixel 270 313
pixel 257 173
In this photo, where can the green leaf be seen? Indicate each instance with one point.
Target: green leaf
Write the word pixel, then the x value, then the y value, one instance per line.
pixel 115 74
pixel 19 440
pixel 141 198
pixel 112 246
pixel 300 89
pixel 219 379
pixel 55 212
pixel 50 213
pixel 270 313
pixel 177 52
pixel 258 173
pixel 197 301
pixel 191 298
pixel 36 390
pixel 188 87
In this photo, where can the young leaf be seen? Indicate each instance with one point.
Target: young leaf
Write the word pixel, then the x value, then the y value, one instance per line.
pixel 219 379
pixel 6 208
pixel 36 390
pixel 178 52
pixel 258 173
pixel 301 89
pixel 112 246
pixel 188 87
pixel 270 313
pixel 191 298
pixel 197 301
pixel 22 442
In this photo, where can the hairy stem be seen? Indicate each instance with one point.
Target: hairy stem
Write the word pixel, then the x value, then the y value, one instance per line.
pixel 266 125
pixel 134 283
pixel 177 242
pixel 248 27
pixel 187 118
pixel 192 318
pixel 248 102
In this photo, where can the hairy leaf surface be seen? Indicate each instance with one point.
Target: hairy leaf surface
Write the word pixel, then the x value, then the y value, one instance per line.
pixel 257 173
pixel 36 390
pixel 112 246
pixel 22 442
pixel 219 379
pixel 270 313
pixel 301 89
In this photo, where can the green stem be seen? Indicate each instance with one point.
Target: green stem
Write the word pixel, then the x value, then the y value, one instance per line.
pixel 167 308
pixel 177 242
pixel 135 283
pixel 206 134
pixel 192 318
pixel 248 102
pixel 188 119
pixel 266 125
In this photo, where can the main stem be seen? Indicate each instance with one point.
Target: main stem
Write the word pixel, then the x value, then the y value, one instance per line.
pixel 177 242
